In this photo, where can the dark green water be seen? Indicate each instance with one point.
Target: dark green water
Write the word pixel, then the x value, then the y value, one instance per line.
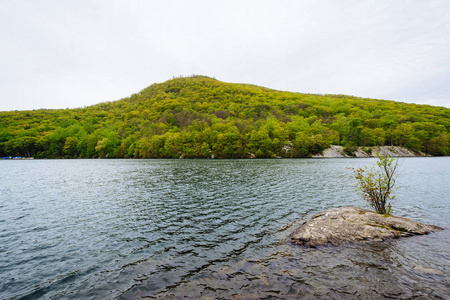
pixel 105 229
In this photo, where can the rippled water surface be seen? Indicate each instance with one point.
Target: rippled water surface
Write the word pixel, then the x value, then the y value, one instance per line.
pixel 127 229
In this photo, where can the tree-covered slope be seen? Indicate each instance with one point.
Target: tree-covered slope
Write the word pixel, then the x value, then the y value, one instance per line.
pixel 200 116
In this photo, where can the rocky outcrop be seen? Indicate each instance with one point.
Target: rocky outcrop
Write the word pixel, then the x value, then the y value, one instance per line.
pixel 394 151
pixel 350 225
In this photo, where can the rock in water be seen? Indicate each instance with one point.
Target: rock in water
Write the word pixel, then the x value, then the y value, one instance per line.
pixel 350 224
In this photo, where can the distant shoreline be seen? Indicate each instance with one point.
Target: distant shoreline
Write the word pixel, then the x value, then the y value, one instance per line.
pixel 334 151
pixel 315 157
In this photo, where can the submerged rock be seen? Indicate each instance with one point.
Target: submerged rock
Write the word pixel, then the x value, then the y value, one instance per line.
pixel 350 224
pixel 429 271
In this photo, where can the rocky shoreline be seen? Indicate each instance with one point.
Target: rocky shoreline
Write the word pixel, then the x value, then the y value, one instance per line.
pixel 339 151
pixel 345 225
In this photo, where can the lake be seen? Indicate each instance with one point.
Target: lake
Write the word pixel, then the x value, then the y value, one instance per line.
pixel 126 229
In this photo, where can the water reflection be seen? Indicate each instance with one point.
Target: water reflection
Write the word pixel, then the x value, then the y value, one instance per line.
pixel 185 228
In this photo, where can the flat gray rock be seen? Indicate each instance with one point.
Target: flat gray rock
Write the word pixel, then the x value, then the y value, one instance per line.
pixel 344 225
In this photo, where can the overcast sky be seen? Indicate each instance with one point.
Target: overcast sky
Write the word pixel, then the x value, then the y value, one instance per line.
pixel 65 54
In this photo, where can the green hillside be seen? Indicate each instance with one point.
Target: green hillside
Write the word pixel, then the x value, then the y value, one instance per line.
pixel 197 117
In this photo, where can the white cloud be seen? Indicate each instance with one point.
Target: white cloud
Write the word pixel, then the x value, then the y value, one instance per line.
pixel 57 54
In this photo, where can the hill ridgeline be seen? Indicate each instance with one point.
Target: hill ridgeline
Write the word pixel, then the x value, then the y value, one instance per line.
pixel 201 117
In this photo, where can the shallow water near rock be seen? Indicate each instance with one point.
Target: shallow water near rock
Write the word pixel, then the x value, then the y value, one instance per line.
pixel 126 229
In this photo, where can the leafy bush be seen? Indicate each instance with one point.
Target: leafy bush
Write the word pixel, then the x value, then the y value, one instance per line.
pixel 368 150
pixel 376 183
pixel 350 150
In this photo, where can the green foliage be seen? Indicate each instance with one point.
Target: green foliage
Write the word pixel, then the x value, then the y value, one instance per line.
pixel 376 184
pixel 350 150
pixel 201 117
pixel 368 150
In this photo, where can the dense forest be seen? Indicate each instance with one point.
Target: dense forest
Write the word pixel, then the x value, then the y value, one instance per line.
pixel 201 117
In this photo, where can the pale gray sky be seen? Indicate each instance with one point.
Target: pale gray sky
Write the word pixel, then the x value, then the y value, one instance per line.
pixel 65 54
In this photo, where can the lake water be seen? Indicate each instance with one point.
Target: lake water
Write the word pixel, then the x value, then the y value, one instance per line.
pixel 126 229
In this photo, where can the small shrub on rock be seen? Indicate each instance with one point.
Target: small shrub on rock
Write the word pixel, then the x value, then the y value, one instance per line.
pixel 376 183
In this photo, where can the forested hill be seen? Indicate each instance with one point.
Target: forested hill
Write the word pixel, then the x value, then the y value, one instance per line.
pixel 197 117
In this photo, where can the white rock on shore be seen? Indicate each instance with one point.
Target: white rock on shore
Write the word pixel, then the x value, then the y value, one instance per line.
pixel 338 151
